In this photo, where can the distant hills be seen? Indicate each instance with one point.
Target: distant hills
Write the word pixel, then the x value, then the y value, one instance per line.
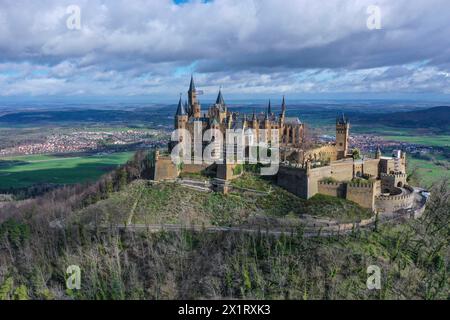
pixel 436 117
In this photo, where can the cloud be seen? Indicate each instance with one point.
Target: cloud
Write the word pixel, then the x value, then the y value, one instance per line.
pixel 251 46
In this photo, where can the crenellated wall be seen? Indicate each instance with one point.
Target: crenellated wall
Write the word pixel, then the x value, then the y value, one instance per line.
pixel 393 203
pixel 363 193
pixel 391 181
pixel 334 189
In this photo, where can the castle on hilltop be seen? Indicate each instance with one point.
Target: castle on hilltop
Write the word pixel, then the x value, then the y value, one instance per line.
pixel 307 167
pixel 291 130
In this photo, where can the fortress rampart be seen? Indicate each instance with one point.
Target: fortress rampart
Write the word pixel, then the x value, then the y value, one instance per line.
pixel 362 193
pixel 391 203
pixel 334 189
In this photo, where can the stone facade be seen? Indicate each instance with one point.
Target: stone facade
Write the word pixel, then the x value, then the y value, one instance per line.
pixel 377 183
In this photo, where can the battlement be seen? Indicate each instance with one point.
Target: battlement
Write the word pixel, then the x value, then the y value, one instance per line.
pixel 360 185
pixel 394 197
pixel 394 175
pixel 330 183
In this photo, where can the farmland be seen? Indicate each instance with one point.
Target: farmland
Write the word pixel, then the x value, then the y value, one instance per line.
pixel 24 171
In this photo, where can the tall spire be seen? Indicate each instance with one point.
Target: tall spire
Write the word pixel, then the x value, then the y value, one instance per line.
pixel 269 108
pixel 283 106
pixel 192 85
pixel 220 99
pixel 180 109
pixel 186 107
pixel 254 115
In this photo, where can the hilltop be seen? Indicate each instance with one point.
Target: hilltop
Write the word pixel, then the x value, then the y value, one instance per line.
pixel 78 225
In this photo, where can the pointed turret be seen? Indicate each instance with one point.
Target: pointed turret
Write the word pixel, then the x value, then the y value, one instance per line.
pixel 194 104
pixel 192 85
pixel 283 112
pixel 181 111
pixel 186 107
pixel 220 99
pixel 269 108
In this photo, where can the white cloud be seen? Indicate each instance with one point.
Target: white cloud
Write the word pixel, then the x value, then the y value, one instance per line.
pixel 251 46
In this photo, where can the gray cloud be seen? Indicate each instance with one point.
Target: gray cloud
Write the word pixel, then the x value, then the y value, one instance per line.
pixel 144 47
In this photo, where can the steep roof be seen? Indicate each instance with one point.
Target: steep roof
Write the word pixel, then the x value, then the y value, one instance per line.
pixel 180 109
pixel 220 99
pixel 283 105
pixel 192 85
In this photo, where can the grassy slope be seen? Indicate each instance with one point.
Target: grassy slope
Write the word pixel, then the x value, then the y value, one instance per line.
pixel 25 171
pixel 171 203
pixel 413 259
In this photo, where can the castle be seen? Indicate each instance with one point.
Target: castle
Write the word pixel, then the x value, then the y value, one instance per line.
pixel 306 167
pixel 291 130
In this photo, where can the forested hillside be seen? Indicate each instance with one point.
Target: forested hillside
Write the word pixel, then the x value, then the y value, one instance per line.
pixel 138 264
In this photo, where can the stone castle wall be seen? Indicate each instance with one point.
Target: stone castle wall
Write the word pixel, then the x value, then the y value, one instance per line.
pixel 326 152
pixel 334 189
pixel 392 203
pixel 390 182
pixel 194 168
pixel 341 170
pixel 293 180
pixel 363 193
pixel 164 169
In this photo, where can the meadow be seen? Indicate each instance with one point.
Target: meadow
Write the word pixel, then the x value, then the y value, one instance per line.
pixel 25 171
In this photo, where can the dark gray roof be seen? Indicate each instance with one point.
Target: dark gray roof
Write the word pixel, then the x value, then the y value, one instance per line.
pixel 283 105
pixel 192 85
pixel 180 109
pixel 220 99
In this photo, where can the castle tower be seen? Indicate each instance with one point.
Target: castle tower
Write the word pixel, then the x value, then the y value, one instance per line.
pixel 269 109
pixel 245 122
pixel 281 119
pixel 267 127
pixel 229 121
pixel 193 102
pixel 222 108
pixel 378 153
pixel 403 161
pixel 342 135
pixel 283 112
pixel 181 116
pixel 255 126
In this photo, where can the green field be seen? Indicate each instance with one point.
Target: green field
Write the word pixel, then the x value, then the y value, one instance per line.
pixel 427 140
pixel 428 171
pixel 25 171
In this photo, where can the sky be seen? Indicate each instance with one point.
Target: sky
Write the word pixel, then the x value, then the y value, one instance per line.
pixel 131 49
